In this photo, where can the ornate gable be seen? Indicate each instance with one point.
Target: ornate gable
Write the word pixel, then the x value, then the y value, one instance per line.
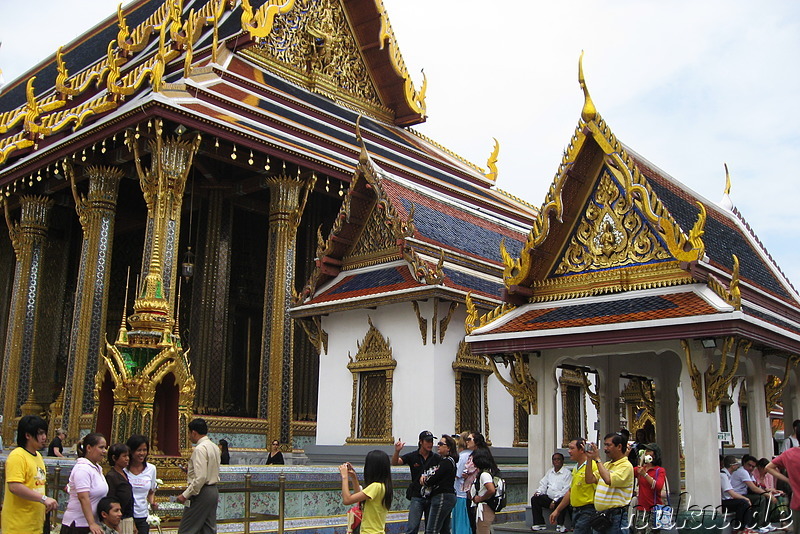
pixel 314 45
pixel 612 233
pixel 368 230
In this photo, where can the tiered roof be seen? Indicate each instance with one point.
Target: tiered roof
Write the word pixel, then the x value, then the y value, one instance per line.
pixel 624 252
pixel 289 81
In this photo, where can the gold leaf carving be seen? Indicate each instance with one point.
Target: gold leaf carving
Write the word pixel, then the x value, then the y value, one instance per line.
pixel 313 40
pixel 611 234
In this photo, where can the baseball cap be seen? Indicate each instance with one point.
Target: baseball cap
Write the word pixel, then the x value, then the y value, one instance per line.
pixel 426 435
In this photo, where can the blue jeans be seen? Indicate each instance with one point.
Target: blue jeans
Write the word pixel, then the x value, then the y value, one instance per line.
pixel 619 521
pixel 416 508
pixel 438 519
pixel 580 519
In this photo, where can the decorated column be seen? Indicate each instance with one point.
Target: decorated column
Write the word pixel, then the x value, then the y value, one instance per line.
pixel 277 345
pixel 28 239
pixel 87 338
pixel 163 185
pixel 212 332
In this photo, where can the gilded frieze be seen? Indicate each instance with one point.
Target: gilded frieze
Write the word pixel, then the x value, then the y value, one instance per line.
pixel 315 45
pixel 611 234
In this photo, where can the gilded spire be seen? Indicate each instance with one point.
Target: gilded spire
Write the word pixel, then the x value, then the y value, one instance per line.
pixel 589 112
pixel 122 335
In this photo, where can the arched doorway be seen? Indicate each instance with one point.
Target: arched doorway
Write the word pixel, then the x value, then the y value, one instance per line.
pixel 105 408
pixel 165 417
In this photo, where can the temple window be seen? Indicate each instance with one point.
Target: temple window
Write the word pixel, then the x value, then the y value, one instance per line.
pixel 573 405
pixel 372 369
pixel 472 406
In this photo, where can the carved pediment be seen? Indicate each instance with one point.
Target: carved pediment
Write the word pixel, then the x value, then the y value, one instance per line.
pixel 313 44
pixel 611 233
pixel 374 352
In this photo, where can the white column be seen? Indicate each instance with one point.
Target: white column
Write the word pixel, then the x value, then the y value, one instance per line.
pixel 700 447
pixel 760 430
pixel 544 423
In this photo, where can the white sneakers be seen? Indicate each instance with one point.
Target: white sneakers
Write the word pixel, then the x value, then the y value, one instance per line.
pixel 559 528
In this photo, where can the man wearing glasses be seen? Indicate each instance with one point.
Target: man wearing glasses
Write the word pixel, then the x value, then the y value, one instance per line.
pixel 418 462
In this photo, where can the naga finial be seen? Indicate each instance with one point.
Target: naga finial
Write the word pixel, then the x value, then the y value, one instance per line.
pixel 727 180
pixel 589 112
pixel 492 161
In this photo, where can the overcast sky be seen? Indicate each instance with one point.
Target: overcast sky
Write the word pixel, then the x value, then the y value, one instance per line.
pixel 689 85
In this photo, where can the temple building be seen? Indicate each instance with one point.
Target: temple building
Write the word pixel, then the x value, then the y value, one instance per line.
pixel 637 303
pixel 200 193
pixel 223 210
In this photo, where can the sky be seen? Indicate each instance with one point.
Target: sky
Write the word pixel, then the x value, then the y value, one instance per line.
pixel 687 84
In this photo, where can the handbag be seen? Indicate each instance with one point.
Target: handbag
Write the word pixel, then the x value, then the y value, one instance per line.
pixel 600 521
pixel 662 513
pixel 354 515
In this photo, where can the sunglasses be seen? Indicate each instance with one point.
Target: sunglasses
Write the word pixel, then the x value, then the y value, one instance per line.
pixel 467 439
pixel 441 443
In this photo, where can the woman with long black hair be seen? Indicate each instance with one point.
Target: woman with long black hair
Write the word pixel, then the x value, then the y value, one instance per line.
pixel 376 496
pixel 143 479
pixel 475 442
pixel 441 484
pixel 483 489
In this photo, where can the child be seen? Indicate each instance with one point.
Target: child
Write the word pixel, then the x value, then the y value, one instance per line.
pixel 110 513
pixel 377 496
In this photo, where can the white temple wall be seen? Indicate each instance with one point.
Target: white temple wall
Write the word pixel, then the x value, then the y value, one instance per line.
pixel 423 385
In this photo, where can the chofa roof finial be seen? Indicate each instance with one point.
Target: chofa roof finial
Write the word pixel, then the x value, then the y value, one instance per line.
pixel 589 112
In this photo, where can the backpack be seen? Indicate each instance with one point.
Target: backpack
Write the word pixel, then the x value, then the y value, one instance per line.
pixel 498 501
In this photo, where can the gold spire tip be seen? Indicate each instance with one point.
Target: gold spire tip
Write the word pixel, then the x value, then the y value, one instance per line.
pixel 727 180
pixel 589 112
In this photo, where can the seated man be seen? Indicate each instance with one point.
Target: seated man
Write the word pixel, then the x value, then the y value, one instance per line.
pixel 552 488
pixel 733 501
pixel 744 483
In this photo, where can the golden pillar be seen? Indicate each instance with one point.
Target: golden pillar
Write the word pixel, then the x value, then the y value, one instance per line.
pixel 277 335
pixel 96 214
pixel 211 345
pixel 28 239
pixel 163 185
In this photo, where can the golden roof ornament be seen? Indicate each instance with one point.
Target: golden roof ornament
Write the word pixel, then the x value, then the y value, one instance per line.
pixel 726 201
pixel 491 163
pixel 589 112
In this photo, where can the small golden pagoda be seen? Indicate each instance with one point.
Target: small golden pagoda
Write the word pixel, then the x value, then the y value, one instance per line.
pixel 144 384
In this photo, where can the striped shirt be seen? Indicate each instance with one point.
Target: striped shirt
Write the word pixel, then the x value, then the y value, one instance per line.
pixel 620 491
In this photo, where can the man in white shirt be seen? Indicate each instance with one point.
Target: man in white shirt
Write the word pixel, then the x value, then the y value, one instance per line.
pixel 733 501
pixel 201 495
pixel 552 488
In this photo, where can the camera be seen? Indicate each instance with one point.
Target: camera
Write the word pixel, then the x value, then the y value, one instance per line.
pixel 647 458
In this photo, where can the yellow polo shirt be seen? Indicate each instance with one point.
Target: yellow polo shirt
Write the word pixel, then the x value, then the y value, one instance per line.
pixel 620 492
pixel 581 493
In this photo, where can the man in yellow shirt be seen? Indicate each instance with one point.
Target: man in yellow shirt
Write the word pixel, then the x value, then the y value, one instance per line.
pixel 614 481
pixel 25 500
pixel 580 495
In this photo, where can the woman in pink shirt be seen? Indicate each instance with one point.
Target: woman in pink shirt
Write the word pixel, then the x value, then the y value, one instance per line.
pixel 87 486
